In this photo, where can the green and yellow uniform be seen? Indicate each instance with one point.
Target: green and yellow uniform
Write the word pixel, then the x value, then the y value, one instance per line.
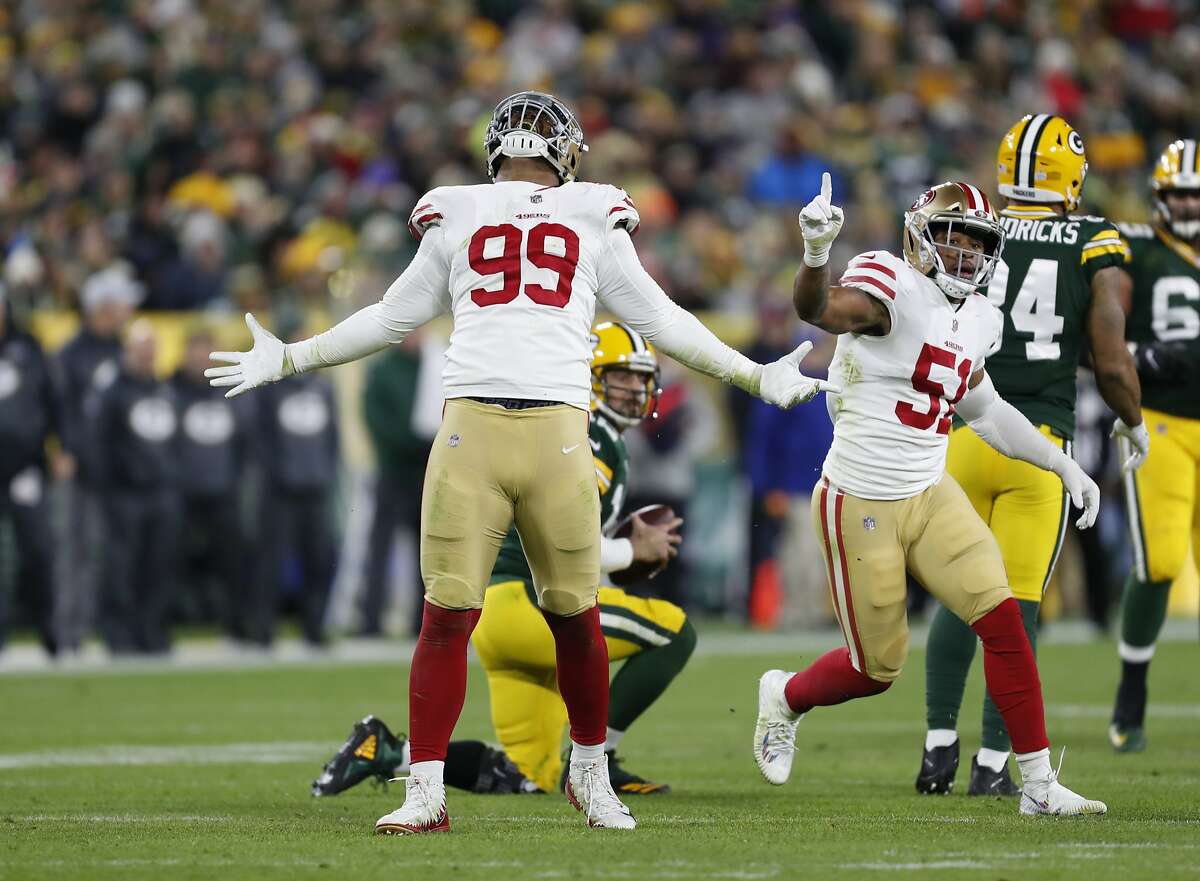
pixel 515 645
pixel 1163 498
pixel 1044 288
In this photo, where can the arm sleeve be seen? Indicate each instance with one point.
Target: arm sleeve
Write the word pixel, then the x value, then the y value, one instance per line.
pixel 628 290
pixel 420 294
pixel 1003 427
pixel 615 554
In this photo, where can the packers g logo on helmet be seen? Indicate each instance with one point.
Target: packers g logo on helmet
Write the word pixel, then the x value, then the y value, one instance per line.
pixel 618 346
pixel 1177 169
pixel 1042 159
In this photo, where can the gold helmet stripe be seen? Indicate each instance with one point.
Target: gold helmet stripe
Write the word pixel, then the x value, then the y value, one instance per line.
pixel 1027 149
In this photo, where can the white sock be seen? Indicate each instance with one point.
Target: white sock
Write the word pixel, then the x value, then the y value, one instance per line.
pixel 581 753
pixel 992 758
pixel 612 739
pixel 431 771
pixel 1035 767
pixel 936 737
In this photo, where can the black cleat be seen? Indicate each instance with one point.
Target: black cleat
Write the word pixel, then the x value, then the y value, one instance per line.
pixel 985 781
pixel 371 750
pixel 938 767
pixel 499 775
pixel 626 783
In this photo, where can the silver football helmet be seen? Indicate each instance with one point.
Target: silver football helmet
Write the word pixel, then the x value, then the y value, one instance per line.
pixel 533 125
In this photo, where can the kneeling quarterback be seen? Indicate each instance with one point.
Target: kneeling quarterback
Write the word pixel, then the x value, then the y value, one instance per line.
pixel 514 643
pixel 914 336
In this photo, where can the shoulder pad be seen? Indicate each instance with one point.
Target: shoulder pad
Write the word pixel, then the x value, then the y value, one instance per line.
pixel 873 272
pixel 1087 218
pixel 428 213
pixel 620 211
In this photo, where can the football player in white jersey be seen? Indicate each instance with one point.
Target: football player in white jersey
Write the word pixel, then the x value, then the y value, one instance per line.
pixel 915 333
pixel 520 264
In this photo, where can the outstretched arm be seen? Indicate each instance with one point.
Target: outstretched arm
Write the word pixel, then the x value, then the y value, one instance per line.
pixel 1116 372
pixel 833 308
pixel 420 294
pixel 1003 427
pixel 629 291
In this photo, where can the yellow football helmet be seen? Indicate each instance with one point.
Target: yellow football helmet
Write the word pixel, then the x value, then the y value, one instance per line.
pixel 953 207
pixel 1177 169
pixel 1042 159
pixel 619 346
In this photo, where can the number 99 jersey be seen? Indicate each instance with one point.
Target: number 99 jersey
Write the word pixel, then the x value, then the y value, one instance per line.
pixel 1043 285
pixel 892 418
pixel 1166 308
pixel 524 266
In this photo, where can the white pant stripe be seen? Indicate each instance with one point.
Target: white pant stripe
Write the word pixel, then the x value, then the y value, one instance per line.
pixel 841 593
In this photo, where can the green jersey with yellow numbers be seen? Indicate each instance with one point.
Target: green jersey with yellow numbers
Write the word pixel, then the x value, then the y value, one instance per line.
pixel 1166 308
pixel 1043 285
pixel 612 473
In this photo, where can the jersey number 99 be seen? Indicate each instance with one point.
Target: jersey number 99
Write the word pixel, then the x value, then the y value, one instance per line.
pixel 507 263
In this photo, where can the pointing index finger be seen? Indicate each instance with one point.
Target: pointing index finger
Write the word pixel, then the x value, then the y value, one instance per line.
pixel 826 186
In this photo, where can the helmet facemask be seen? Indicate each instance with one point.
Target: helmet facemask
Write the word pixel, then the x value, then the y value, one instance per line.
pixel 956 270
pixel 627 402
pixel 1185 228
pixel 534 125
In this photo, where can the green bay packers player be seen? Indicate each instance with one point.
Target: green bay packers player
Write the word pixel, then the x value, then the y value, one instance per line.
pixel 1061 287
pixel 1163 498
pixel 514 643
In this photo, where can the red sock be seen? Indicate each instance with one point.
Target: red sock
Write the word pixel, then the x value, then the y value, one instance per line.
pixel 437 682
pixel 582 673
pixel 830 679
pixel 1012 676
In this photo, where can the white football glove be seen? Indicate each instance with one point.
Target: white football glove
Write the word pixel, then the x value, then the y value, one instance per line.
pixel 1083 491
pixel 1138 439
pixel 265 362
pixel 820 222
pixel 782 384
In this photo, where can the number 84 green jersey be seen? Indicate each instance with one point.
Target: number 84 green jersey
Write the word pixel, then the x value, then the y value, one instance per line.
pixel 1043 285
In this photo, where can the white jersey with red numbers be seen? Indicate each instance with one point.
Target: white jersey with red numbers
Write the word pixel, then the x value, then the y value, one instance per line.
pixel 891 421
pixel 523 268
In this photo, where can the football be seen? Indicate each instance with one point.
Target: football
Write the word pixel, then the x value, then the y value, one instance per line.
pixel 654 515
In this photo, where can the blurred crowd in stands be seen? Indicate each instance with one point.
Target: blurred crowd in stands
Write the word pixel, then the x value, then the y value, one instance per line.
pixel 228 155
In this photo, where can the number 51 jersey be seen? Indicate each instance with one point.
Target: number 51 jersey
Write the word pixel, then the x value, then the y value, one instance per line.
pixel 892 418
pixel 523 263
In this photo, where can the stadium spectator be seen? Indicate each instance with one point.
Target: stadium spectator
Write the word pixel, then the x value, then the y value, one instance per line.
pixel 401 451
pixel 212 449
pixel 30 413
pixel 136 425
pixel 88 365
pixel 297 423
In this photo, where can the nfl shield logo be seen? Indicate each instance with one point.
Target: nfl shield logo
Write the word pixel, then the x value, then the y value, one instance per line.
pixel 535 198
pixel 954 326
pixel 868 523
pixel 453 440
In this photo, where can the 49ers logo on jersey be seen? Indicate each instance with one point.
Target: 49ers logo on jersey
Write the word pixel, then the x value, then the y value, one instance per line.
pixel 923 420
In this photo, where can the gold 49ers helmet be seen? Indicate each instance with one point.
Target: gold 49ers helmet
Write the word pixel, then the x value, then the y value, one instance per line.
pixel 618 346
pixel 953 208
pixel 1177 169
pixel 1041 159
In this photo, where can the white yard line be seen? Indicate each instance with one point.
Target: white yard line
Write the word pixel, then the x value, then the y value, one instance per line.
pixel 265 753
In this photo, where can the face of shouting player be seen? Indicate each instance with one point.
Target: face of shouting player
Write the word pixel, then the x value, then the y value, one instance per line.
pixel 1184 206
pixel 626 392
pixel 960 252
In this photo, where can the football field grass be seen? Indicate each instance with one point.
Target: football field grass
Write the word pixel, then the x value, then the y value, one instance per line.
pixel 183 774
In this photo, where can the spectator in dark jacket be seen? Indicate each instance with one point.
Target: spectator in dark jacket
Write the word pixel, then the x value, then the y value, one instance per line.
pixel 401 453
pixel 297 435
pixel 211 453
pixel 30 413
pixel 136 424
pixel 88 365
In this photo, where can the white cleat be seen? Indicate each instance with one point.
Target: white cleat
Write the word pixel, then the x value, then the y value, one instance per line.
pixel 1051 798
pixel 424 809
pixel 775 730
pixel 588 789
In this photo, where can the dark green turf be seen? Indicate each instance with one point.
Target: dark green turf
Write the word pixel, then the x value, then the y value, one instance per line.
pixel 849 812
